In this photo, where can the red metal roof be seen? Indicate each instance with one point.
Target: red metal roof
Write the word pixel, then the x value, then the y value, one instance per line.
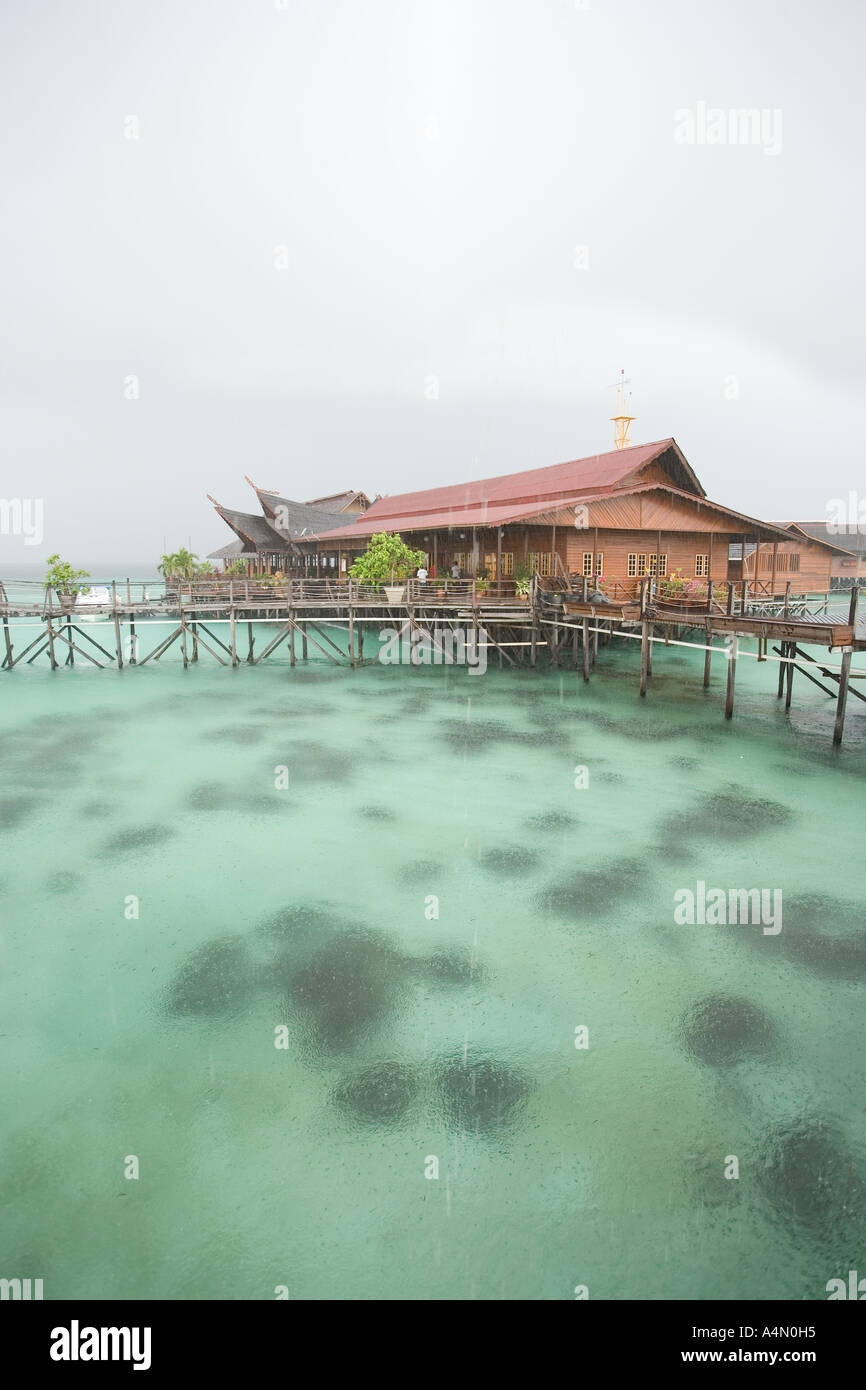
pixel 514 496
pixel 507 513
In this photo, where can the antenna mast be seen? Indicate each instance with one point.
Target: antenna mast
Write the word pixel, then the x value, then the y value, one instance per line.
pixel 622 420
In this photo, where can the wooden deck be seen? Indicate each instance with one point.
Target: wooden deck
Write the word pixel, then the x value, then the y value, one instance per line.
pixel 299 613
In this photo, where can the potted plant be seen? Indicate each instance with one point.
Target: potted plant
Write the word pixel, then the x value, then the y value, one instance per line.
pixel 386 560
pixel 676 593
pixel 522 581
pixel 64 580
pixel 482 584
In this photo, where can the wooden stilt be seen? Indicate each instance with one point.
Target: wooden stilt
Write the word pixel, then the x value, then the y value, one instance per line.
pixel 183 639
pixel 533 600
pixel 733 647
pixel 117 640
pixel 251 642
pixel 233 637
pixel 842 699
pixel 708 654
pixel 586 650
pixel 789 677
pixel 644 656
pixel 649 650
pixel 133 643
pixel 783 653
pixel 50 634
pixel 8 660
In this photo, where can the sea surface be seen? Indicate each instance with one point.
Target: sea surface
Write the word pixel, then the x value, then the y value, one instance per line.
pixel 367 984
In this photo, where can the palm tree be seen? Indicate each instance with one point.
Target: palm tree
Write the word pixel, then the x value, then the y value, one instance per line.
pixel 182 564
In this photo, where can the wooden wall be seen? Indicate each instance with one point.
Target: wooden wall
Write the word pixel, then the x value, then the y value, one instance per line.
pixel 807 567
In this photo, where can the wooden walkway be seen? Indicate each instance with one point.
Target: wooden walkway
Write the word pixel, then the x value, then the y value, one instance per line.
pixel 566 624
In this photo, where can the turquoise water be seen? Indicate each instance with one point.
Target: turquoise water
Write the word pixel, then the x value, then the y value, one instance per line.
pixel 409 1036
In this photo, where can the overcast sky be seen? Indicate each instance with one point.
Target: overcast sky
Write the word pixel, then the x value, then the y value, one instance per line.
pixel 386 244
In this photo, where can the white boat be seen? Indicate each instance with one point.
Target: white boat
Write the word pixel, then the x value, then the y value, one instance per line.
pixel 96 597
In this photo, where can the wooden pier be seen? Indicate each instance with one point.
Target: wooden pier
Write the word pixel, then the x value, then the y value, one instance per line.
pixel 557 618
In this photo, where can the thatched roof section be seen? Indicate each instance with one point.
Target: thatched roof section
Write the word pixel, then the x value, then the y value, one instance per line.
pixel 254 531
pixel 230 551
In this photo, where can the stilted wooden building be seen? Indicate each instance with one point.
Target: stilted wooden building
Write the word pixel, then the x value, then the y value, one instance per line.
pixel 617 516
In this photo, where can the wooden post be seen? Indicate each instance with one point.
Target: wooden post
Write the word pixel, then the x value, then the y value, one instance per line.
pixel 852 604
pixel 351 632
pixel 251 642
pixel 233 642
pixel 183 637
pixel 498 557
pixel 792 648
pixel 781 689
pixel 117 625
pixel 649 649
pixel 773 569
pixel 644 655
pixel 586 650
pixel 533 599
pixel 133 660
pixel 51 640
pixel 10 661
pixel 708 655
pixel 730 598
pixel 842 699
pixel 787 599
pixel 844 674
pixel 733 647
pixel 70 651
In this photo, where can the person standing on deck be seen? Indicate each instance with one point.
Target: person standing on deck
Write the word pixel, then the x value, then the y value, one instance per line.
pixel 421 574
pixel 455 570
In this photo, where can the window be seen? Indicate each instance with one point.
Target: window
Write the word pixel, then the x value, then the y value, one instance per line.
pixel 533 561
pixel 587 562
pixel 657 564
pixel 460 559
pixel 702 566
pixel 641 565
pixel 795 562
pixel 599 562
pixel 544 567
pixel 507 562
pixel 632 566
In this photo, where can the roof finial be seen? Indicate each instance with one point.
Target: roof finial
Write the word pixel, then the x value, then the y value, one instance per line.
pixel 622 420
